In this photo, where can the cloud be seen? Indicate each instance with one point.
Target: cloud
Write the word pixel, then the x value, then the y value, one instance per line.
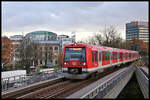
pixel 64 17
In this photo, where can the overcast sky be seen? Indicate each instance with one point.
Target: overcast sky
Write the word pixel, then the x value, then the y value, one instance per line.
pixel 84 18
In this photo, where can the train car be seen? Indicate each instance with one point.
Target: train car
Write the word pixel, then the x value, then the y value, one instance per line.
pixel 80 60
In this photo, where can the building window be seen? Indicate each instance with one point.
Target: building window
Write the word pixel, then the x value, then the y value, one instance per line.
pixel 56 62
pixel 40 48
pixel 40 61
pixel 50 48
pixel 45 48
pixel 56 48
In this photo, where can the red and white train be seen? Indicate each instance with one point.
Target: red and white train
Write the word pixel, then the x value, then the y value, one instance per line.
pixel 80 60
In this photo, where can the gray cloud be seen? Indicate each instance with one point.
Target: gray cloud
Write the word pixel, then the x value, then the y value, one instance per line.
pixel 69 16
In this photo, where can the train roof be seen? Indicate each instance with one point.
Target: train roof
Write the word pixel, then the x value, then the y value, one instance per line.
pixel 99 47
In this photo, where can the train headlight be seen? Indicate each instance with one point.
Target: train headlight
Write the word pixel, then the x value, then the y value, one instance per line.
pixel 65 63
pixel 83 64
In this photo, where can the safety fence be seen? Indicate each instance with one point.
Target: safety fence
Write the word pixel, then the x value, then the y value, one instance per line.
pixel 109 89
pixel 143 81
pixel 24 80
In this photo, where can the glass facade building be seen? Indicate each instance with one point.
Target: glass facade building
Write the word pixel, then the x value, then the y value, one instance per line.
pixel 137 29
pixel 41 35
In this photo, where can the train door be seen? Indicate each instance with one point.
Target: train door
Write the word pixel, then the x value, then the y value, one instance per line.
pixel 100 58
pixel 113 56
pixel 94 58
pixel 121 57
pixel 110 57
pixel 103 58
pixel 108 60
pixel 118 57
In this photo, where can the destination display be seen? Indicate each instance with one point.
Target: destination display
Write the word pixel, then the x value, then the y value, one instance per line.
pixel 75 48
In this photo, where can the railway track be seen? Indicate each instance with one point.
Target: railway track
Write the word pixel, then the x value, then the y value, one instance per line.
pixel 64 88
pixel 28 89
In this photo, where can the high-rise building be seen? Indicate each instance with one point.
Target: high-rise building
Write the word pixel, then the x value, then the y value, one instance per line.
pixel 137 29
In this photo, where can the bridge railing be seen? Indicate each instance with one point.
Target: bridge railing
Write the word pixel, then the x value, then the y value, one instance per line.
pixel 106 89
pixel 143 81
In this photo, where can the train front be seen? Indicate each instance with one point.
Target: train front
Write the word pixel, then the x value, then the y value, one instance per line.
pixel 74 61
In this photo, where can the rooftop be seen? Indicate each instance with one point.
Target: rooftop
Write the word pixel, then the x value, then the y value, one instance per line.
pixel 42 33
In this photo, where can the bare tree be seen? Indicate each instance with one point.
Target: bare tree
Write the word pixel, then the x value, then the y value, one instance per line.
pixel 99 39
pixel 60 58
pixel 28 53
pixel 109 37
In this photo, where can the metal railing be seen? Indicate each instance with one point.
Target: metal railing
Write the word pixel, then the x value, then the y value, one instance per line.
pixel 104 88
pixel 143 81
pixel 24 80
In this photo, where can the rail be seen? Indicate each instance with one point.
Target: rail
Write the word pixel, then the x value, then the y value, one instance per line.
pixel 29 88
pixel 24 80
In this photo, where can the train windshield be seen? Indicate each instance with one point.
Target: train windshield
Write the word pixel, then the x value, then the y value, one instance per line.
pixel 75 53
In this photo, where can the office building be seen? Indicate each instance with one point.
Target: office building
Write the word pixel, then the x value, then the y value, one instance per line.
pixel 139 30
pixel 48 53
pixel 64 40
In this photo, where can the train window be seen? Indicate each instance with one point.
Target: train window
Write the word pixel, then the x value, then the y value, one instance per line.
pixel 111 56
pixel 108 55
pixel 99 56
pixel 103 56
pixel 75 53
pixel 121 55
pixel 114 56
pixel 92 56
pixel 96 56
pixel 129 55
